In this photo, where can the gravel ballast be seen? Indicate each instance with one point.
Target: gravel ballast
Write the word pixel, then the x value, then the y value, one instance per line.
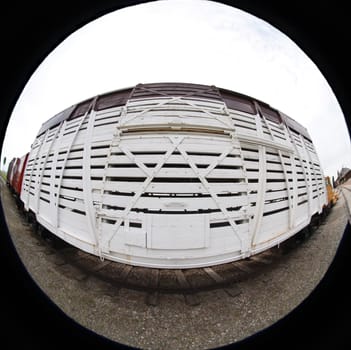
pixel 122 315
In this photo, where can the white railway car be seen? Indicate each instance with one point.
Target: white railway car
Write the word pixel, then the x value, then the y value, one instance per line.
pixel 173 175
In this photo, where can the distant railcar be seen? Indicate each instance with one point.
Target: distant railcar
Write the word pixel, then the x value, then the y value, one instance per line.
pixel 331 194
pixel 173 175
pixel 9 174
pixel 18 173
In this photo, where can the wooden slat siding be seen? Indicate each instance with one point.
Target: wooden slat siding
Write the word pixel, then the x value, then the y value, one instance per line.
pixel 261 186
pixel 204 107
pixel 104 120
pixel 71 144
pixel 300 167
pixel 43 165
pixel 31 202
pixel 213 217
pixel 167 187
pixel 275 206
pixel 152 159
pixel 190 203
pixel 244 124
pixel 270 196
pixel 108 112
pixel 167 104
pixel 288 177
pixel 315 164
pixel 28 172
pixel 269 225
pixel 229 174
pixel 181 111
pixel 86 203
pixel 242 116
pixel 200 146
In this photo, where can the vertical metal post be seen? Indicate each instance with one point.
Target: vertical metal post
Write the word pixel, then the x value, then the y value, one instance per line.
pixel 87 189
pixel 35 162
pixel 43 168
pixel 56 221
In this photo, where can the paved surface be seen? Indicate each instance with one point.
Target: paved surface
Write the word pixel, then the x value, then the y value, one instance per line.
pixel 218 318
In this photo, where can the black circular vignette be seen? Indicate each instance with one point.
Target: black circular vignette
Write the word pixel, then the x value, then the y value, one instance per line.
pixel 29 32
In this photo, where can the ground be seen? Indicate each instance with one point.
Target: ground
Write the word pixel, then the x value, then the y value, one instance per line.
pixel 122 315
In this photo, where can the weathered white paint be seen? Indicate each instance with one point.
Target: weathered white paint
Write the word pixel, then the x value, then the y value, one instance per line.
pixel 172 182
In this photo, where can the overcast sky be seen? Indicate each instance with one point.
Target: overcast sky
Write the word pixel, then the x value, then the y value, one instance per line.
pixel 191 41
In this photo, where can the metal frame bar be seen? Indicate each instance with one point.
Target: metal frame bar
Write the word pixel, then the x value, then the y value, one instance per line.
pixel 230 218
pixel 44 164
pixel 262 176
pixel 311 167
pixel 56 219
pixel 87 189
pixel 172 99
pixel 308 187
pixel 26 204
pixel 291 208
pixel 106 241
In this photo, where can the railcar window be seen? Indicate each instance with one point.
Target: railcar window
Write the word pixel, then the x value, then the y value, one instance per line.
pixel 270 114
pixel 238 103
pixel 114 99
pixel 80 109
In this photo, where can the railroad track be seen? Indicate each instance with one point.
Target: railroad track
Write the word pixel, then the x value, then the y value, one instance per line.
pixel 110 277
pixel 346 202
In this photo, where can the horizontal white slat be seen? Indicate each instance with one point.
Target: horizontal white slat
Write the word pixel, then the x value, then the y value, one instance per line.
pixel 275 195
pixel 183 112
pixel 74 162
pixel 112 119
pixel 277 176
pixel 275 186
pixel 272 226
pixel 72 193
pixel 252 174
pixel 242 116
pixel 45 210
pixel 178 159
pixel 76 154
pixel 138 217
pixel 108 112
pixel 246 131
pixel 74 223
pixel 150 120
pixel 170 187
pixel 104 132
pixel 146 146
pixel 274 166
pixel 72 183
pixel 98 151
pixel 251 164
pixel 243 124
pixel 141 104
pixel 275 206
pixel 77 204
pixel 173 203
pixel 102 137
pixel 208 142
pixel 163 172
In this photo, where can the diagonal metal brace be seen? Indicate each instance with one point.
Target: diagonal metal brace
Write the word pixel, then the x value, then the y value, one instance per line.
pixel 176 141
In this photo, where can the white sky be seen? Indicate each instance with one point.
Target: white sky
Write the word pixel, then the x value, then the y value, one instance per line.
pixel 193 41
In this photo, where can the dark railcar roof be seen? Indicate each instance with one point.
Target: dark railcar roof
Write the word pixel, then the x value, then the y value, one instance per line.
pixel 232 99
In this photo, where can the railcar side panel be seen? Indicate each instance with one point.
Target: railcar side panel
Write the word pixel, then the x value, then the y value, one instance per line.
pixel 176 176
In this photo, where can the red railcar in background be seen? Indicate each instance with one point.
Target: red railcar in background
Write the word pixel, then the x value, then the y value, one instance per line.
pixel 9 175
pixel 17 172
